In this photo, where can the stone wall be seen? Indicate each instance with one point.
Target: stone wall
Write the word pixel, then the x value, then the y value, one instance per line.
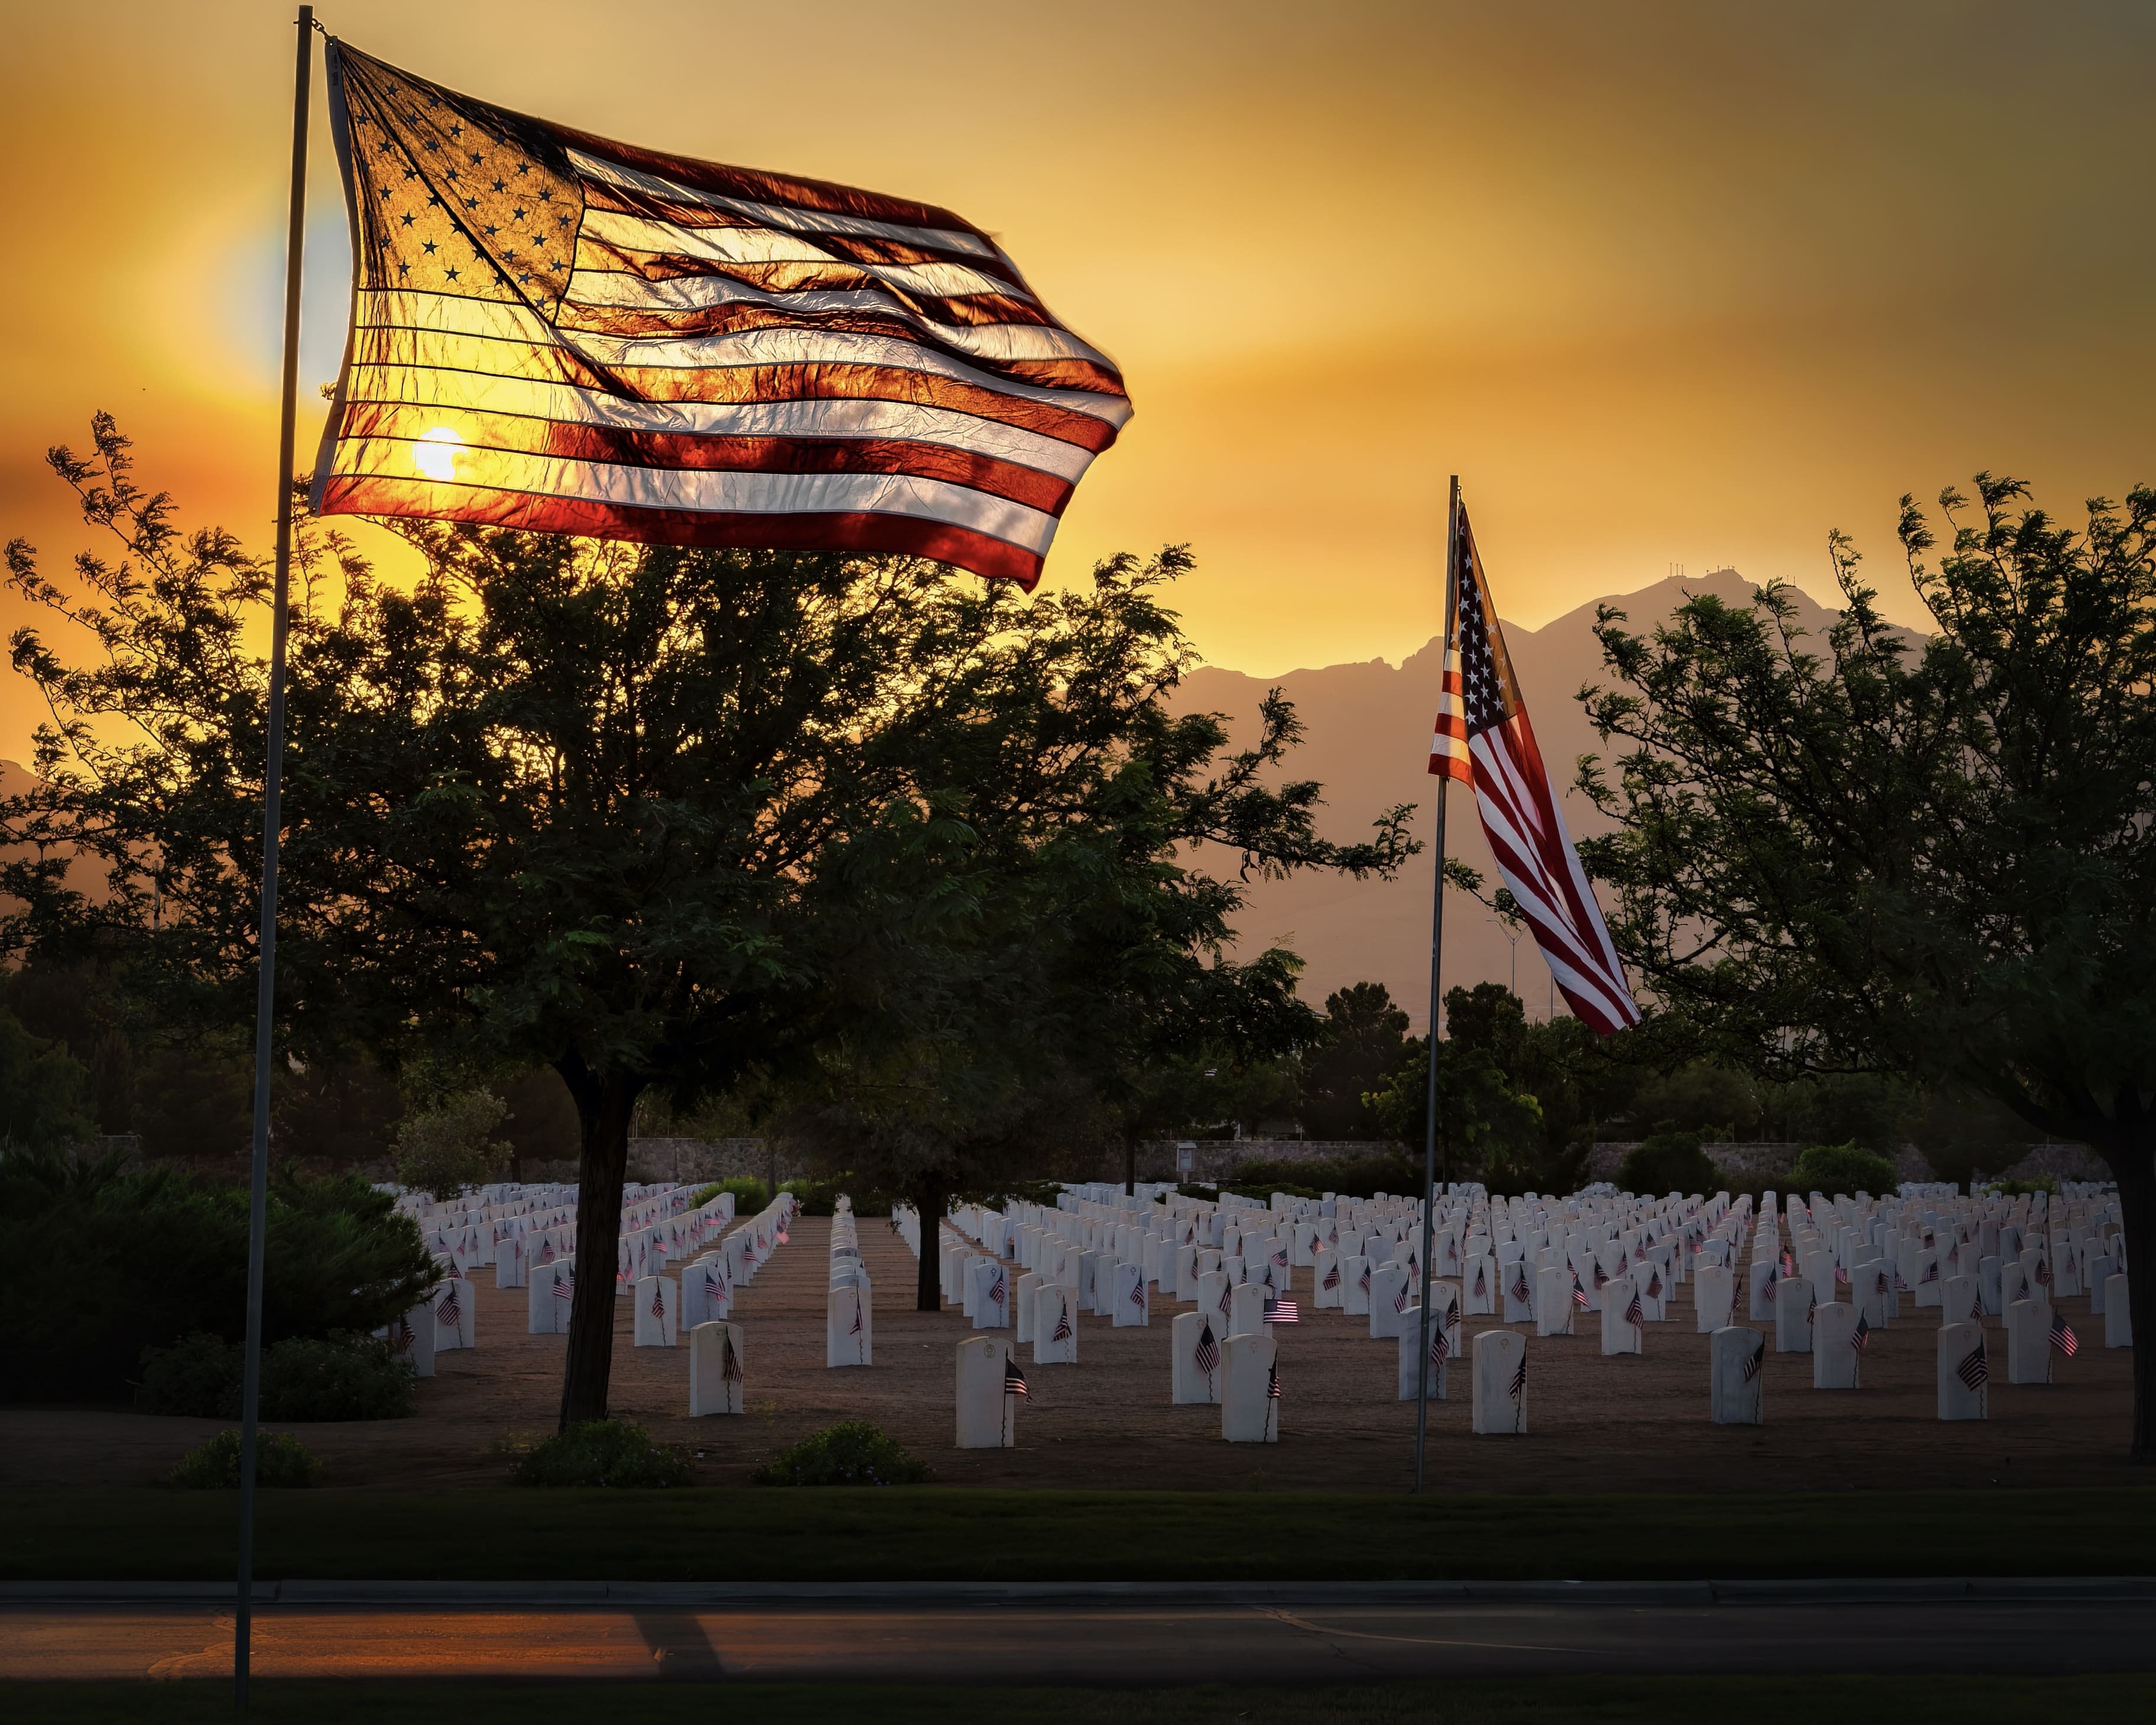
pixel 690 1161
pixel 1218 1158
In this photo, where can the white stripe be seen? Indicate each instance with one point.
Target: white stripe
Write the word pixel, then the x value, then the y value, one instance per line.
pixel 524 399
pixel 707 490
pixel 622 290
pixel 796 217
pixel 450 315
pixel 764 245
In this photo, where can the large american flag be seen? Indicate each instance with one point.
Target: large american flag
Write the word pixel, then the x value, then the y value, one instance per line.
pixel 554 331
pixel 1483 739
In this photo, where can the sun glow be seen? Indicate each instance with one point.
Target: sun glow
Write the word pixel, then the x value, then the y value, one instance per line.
pixel 435 454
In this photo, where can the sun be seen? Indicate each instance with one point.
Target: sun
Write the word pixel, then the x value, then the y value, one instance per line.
pixel 435 454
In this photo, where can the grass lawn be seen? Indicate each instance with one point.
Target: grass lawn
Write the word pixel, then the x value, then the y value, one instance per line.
pixel 933 1533
pixel 1648 1701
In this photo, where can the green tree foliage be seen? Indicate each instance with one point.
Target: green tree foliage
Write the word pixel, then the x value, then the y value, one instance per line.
pixel 172 1252
pixel 1668 1160
pixel 1933 859
pixel 1362 1045
pixel 1841 1171
pixel 451 1145
pixel 41 1091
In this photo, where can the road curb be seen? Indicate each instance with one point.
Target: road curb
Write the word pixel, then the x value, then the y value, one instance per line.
pixel 630 1595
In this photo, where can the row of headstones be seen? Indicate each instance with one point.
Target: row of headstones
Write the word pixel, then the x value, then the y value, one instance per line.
pixel 474 1231
pixel 705 1292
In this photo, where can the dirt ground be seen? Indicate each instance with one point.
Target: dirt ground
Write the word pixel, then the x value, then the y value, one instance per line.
pixel 1629 1424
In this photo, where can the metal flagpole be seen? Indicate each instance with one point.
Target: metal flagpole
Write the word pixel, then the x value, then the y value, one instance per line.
pixel 265 988
pixel 1436 949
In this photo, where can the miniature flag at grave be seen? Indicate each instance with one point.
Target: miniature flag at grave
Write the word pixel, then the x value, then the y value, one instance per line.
pixel 657 1299
pixel 1632 1315
pixel 1861 1336
pixel 1811 1304
pixel 1483 738
pixel 1137 1294
pixel 570 335
pixel 1654 1285
pixel 450 1312
pixel 1332 1275
pixel 1520 1378
pixel 1015 1382
pixel 1281 1311
pixel 1062 1323
pixel 1975 1371
pixel 1400 1299
pixel 1272 1383
pixel 1520 1287
pixel 1579 1293
pixel 855 1328
pixel 2043 1272
pixel 1226 1292
pixel 2063 1336
pixel 998 1292
pixel 1758 1359
pixel 405 1335
pixel 1366 1276
pixel 1439 1348
pixel 565 1286
pixel 730 1368
pixel 1601 1281
pixel 1481 1279
pixel 1208 1351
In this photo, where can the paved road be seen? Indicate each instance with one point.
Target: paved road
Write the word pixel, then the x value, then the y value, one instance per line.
pixel 1080 1644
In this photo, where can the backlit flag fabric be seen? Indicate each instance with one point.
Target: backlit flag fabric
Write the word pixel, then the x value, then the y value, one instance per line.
pixel 553 332
pixel 1483 739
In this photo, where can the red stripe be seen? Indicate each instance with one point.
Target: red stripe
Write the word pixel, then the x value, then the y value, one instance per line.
pixel 572 441
pixel 961 312
pixel 846 532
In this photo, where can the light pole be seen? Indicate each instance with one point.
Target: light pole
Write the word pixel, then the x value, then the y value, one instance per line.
pixel 1512 936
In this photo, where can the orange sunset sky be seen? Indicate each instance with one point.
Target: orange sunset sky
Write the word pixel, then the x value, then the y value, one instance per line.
pixel 1667 284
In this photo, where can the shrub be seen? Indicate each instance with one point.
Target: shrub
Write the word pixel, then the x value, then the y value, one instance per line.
pixel 1842 1171
pixel 750 1194
pixel 445 1149
pixel 340 1377
pixel 198 1376
pixel 603 1452
pixel 1668 1161
pixel 1350 1176
pixel 853 1453
pixel 2024 1189
pixel 173 1254
pixel 280 1459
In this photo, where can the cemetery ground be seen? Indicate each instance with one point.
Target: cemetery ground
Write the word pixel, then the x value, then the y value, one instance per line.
pixel 1620 1474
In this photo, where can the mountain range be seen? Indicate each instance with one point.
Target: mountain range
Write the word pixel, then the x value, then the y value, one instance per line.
pixel 1366 739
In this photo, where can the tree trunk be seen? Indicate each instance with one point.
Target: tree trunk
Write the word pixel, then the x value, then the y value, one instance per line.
pixel 2133 1165
pixel 928 1279
pixel 1130 1165
pixel 604 1106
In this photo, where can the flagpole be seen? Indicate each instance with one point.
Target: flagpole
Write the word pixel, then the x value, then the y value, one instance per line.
pixel 266 988
pixel 1436 952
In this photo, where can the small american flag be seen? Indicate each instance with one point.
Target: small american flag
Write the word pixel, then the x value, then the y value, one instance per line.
pixel 1975 1371
pixel 1755 1359
pixel 1226 1291
pixel 2043 1273
pixel 449 1313
pixel 854 1329
pixel 1366 1276
pixel 1440 1347
pixel 1137 1294
pixel 404 1338
pixel 730 1367
pixel 1633 1314
pixel 1062 1324
pixel 1654 1285
pixel 1279 1256
pixel 1861 1336
pixel 1332 1275
pixel 1015 1382
pixel 1930 1272
pixel 1272 1383
pixel 2063 1336
pixel 565 1284
pixel 1579 1293
pixel 1601 1281
pixel 1281 1311
pixel 1400 1299
pixel 996 1290
pixel 659 1299
pixel 1811 1304
pixel 1520 1287
pixel 1520 1377
pixel 1481 1281
pixel 1208 1351
pixel 546 1251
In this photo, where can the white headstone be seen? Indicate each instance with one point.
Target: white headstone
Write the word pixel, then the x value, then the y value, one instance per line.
pixel 1711 1292
pixel 715 1368
pixel 1793 1305
pixel 1964 1372
pixel 1624 1322
pixel 1961 1300
pixel 1516 1291
pixel 1501 1383
pixel 2117 1314
pixel 987 1294
pixel 1132 1308
pixel 1554 1306
pixel 509 1263
pixel 1325 1278
pixel 848 1338
pixel 1056 1325
pixel 453 1308
pixel 1737 1376
pixel 2029 1341
pixel 1195 1354
pixel 657 1311
pixel 1250 1413
pixel 1355 1273
pixel 1478 1286
pixel 1390 1296
pixel 1834 1354
pixel 987 1404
